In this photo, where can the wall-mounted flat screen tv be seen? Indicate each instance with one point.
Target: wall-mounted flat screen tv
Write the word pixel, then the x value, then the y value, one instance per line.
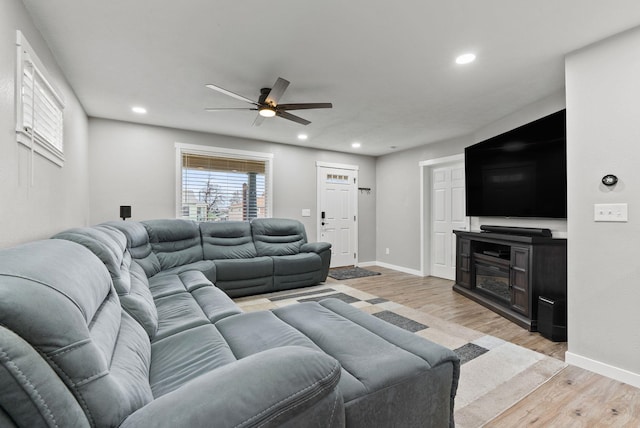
pixel 521 173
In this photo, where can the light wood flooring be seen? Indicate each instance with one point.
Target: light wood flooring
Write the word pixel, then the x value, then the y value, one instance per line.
pixel 573 398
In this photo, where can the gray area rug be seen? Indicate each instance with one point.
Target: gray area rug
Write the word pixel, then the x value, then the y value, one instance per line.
pixel 494 374
pixel 350 273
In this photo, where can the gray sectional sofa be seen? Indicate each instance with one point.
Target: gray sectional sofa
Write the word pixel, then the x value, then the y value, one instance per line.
pixel 241 258
pixel 89 339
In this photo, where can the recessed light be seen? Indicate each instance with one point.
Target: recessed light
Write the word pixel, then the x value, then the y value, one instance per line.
pixel 355 145
pixel 139 110
pixel 465 58
pixel 302 136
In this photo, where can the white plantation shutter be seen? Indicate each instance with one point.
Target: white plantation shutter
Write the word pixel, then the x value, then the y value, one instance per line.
pixel 219 185
pixel 39 108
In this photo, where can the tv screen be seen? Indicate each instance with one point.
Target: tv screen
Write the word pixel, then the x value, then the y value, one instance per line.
pixel 521 173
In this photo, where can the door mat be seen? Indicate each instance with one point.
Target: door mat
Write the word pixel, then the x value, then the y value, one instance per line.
pixel 350 273
pixel 494 374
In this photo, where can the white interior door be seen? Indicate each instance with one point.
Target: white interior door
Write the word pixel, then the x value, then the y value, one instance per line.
pixel 337 195
pixel 447 214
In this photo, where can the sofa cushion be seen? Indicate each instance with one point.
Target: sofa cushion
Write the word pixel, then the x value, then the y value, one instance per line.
pixel 167 284
pixel 215 303
pixel 129 279
pixel 227 240
pixel 176 313
pixel 138 245
pixel 184 356
pixel 109 245
pixel 254 332
pixel 139 302
pixel 212 302
pixel 175 242
pixel 277 236
pixel 206 267
pixel 99 351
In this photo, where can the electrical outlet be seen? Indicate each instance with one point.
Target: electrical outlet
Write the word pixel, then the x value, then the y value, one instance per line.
pixel 386 251
pixel 610 212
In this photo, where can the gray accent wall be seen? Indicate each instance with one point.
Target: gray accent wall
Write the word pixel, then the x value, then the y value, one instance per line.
pixel 398 195
pixel 133 164
pixel 37 197
pixel 603 125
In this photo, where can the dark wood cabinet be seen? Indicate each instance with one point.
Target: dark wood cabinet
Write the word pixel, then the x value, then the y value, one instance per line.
pixel 463 263
pixel 508 273
pixel 519 279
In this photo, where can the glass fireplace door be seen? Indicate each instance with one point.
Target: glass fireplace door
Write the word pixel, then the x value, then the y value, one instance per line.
pixel 493 280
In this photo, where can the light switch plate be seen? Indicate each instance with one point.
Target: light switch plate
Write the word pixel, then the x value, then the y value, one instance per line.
pixel 306 212
pixel 610 212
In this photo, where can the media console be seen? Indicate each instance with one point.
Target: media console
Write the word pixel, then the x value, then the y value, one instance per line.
pixel 508 273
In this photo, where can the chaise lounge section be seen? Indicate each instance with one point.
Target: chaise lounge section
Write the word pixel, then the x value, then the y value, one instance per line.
pixel 117 348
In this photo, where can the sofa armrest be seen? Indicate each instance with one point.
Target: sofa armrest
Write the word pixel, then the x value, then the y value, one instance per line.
pixel 315 247
pixel 265 389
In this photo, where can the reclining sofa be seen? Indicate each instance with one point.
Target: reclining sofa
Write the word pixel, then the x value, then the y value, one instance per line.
pixel 88 339
pixel 241 258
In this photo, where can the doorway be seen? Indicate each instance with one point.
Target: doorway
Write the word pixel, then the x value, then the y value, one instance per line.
pixel 442 211
pixel 337 211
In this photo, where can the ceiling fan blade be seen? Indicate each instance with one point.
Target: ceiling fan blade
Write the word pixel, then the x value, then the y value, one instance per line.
pixel 231 94
pixel 230 108
pixel 304 106
pixel 289 116
pixel 276 92
pixel 258 121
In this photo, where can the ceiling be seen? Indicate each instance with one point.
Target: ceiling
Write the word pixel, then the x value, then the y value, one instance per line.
pixel 387 67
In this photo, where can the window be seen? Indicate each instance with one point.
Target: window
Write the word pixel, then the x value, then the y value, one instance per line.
pixel 222 184
pixel 39 107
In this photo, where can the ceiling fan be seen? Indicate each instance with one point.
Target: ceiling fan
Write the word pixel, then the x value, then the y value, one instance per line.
pixel 267 105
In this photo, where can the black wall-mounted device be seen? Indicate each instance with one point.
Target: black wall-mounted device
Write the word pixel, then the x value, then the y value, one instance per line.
pixel 125 212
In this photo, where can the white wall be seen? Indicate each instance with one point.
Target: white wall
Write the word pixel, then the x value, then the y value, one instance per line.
pixel 603 125
pixel 132 164
pixel 398 189
pixel 58 197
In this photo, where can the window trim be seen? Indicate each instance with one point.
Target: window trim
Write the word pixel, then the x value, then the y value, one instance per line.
pixel 196 149
pixel 32 140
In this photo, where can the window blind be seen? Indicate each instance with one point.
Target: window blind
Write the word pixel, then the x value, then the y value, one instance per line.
pixel 218 188
pixel 41 111
pixel 39 107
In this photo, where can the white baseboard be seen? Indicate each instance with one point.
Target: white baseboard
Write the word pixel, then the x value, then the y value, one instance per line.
pixel 365 264
pixel 603 369
pixel 390 266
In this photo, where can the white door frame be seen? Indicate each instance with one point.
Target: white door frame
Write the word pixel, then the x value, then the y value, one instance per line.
pixel 425 207
pixel 355 169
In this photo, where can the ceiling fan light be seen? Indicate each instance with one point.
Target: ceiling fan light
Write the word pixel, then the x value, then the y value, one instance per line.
pixel 266 112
